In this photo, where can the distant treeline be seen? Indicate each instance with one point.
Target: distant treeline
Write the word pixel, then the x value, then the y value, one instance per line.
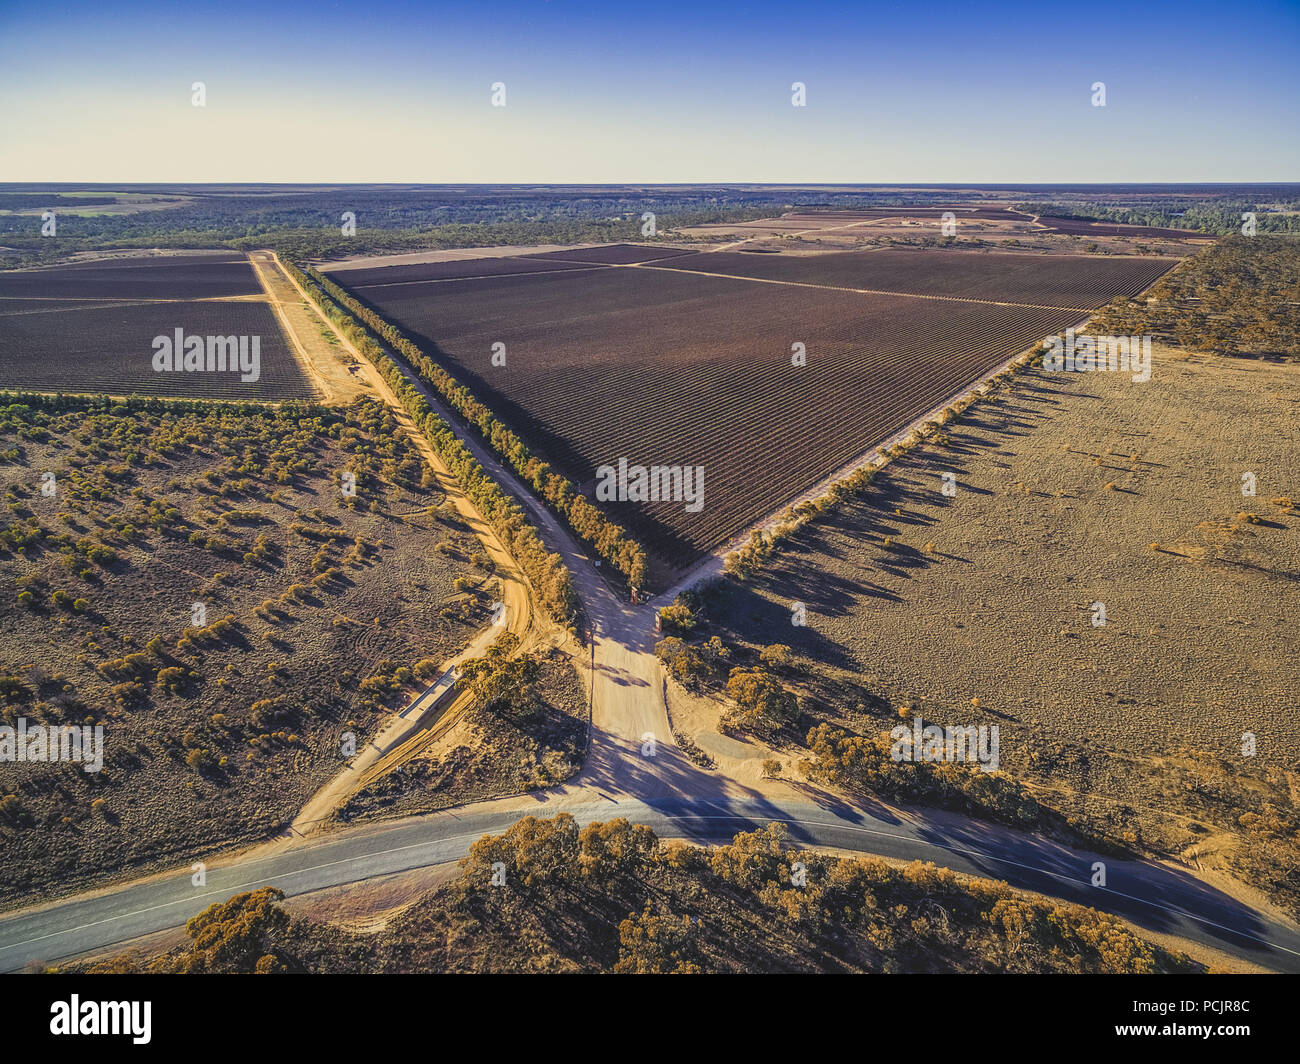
pixel 1240 296
pixel 610 541
pixel 1220 219
pixel 22 201
pixel 103 404
pixel 328 242
pixel 545 570
pixel 308 224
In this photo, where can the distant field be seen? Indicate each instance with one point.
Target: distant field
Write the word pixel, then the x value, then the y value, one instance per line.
pixel 852 228
pixel 1081 227
pixel 155 279
pixel 90 327
pixel 993 214
pixel 452 268
pixel 1055 280
pixel 614 254
pixel 663 366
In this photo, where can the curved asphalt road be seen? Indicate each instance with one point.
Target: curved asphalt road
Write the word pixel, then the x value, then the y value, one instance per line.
pixel 1153 896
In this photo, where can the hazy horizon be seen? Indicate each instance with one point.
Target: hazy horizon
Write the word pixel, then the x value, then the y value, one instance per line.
pixel 396 93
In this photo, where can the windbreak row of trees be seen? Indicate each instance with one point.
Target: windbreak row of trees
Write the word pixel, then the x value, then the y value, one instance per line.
pixel 609 540
pixel 545 569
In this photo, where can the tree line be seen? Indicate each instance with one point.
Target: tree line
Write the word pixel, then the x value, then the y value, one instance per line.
pixel 610 541
pixel 545 569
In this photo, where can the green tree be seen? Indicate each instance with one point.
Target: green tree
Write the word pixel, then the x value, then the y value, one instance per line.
pixel 503 684
pixel 656 945
pixel 760 700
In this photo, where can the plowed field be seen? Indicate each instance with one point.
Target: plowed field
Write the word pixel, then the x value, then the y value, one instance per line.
pixel 90 327
pixel 662 366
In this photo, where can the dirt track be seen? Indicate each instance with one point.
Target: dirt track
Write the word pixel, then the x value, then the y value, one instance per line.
pixel 414 725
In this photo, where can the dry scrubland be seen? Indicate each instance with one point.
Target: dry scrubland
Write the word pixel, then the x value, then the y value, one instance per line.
pixel 535 742
pixel 1071 490
pixel 613 898
pixel 319 611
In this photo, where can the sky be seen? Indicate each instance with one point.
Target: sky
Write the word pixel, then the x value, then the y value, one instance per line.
pixel 646 92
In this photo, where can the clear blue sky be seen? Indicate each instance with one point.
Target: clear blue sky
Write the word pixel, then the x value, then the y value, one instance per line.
pixel 649 92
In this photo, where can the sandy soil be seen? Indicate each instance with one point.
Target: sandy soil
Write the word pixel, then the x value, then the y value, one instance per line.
pixel 334 371
pixel 365 262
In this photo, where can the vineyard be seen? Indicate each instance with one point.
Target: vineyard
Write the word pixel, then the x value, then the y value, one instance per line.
pixel 1071 281
pixel 451 270
pixel 664 366
pixel 612 254
pixel 172 277
pixel 90 327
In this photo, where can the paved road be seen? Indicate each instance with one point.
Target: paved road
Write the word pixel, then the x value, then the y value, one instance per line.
pixel 1153 896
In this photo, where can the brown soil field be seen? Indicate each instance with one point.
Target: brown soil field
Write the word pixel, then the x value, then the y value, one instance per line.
pixel 1074 490
pixel 90 328
pixel 613 254
pixel 451 269
pixel 218 722
pixel 409 258
pixel 1072 281
pixel 664 366
pixel 177 277
pixel 109 349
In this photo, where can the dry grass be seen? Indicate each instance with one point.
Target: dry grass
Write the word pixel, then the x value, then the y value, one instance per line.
pixel 1136 726
pixel 317 607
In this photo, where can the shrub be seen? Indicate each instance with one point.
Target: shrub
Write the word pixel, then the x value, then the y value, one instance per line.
pixel 12 810
pixel 173 678
pixel 129 694
pixel 760 700
pixel 778 655
pixel 201 759
pixel 428 669
pixel 677 618
pixel 684 661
